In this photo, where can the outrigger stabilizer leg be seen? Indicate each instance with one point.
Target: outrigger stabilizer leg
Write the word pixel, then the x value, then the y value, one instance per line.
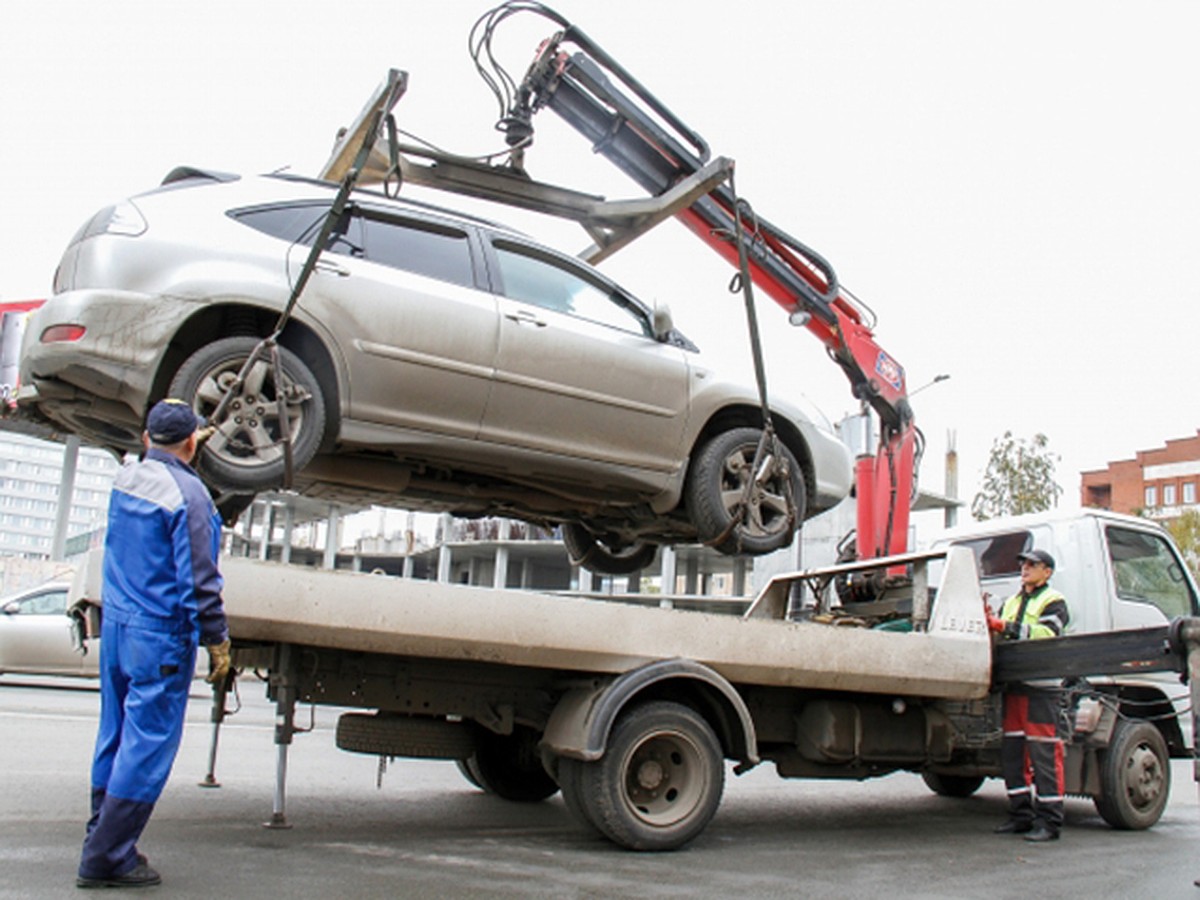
pixel 283 683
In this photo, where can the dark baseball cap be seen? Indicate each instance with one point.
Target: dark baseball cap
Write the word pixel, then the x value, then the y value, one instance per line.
pixel 171 421
pixel 1038 556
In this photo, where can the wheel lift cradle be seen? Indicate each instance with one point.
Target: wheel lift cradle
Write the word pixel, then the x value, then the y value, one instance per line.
pixel 560 670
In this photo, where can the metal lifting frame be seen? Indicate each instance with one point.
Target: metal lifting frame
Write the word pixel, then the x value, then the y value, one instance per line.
pixel 672 164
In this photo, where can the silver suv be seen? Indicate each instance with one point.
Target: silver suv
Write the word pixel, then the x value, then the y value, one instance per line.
pixel 434 361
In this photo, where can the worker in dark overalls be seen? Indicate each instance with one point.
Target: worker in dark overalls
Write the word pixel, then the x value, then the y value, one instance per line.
pixel 161 594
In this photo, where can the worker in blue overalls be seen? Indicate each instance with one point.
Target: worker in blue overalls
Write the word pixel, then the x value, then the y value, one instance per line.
pixel 161 594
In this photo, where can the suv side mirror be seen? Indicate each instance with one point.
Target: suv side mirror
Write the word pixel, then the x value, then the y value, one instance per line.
pixel 662 323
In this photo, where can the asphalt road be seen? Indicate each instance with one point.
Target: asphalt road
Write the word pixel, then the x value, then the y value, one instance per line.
pixel 425 832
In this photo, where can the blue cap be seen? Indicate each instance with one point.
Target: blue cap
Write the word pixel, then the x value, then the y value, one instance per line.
pixel 171 421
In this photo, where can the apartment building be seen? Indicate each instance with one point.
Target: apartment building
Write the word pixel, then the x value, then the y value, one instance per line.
pixel 1161 482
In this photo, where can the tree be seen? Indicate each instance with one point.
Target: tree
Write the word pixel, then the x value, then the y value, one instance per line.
pixel 1185 530
pixel 1019 478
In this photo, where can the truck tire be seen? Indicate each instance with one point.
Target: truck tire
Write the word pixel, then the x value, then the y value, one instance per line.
pixel 659 782
pixel 585 549
pixel 716 481
pixel 509 766
pixel 397 735
pixel 952 785
pixel 570 781
pixel 245 454
pixel 471 772
pixel 1135 776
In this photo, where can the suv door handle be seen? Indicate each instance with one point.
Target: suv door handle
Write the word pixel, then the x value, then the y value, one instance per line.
pixel 332 269
pixel 525 317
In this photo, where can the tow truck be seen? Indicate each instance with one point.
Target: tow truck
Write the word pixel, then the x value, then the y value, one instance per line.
pixel 880 663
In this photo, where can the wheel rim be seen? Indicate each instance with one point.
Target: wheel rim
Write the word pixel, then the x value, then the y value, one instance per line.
pixel 249 435
pixel 664 779
pixel 766 511
pixel 1144 777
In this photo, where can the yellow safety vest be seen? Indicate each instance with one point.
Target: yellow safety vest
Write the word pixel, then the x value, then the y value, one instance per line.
pixel 1033 611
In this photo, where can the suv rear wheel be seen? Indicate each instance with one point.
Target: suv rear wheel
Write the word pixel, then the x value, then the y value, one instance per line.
pixel 246 451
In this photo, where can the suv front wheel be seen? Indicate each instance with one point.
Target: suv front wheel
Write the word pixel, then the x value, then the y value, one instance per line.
pixel 737 509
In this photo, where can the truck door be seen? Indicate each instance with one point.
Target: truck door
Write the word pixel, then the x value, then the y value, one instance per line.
pixel 579 373
pixel 1151 584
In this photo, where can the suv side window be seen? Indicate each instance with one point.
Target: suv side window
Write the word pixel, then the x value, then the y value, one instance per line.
pixel 422 248
pixel 996 555
pixel 1146 570
pixel 550 284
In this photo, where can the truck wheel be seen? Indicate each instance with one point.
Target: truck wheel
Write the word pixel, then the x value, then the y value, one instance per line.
pixel 471 772
pixel 510 766
pixel 715 487
pixel 570 780
pixel 1135 777
pixel 585 550
pixel 660 781
pixel 952 785
pixel 245 453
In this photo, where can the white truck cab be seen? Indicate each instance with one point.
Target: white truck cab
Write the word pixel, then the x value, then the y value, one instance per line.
pixel 1117 572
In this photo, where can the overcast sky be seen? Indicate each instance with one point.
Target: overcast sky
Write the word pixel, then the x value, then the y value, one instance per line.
pixel 1013 187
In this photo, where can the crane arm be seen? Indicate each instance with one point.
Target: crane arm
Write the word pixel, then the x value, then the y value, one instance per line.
pixel 651 145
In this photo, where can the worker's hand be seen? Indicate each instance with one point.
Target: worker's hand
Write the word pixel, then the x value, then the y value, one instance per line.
pixel 995 623
pixel 218 661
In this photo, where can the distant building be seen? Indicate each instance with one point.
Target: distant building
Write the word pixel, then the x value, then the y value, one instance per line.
pixel 1161 483
pixel 30 477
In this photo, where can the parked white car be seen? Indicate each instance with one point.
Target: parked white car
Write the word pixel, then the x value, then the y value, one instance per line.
pixel 36 635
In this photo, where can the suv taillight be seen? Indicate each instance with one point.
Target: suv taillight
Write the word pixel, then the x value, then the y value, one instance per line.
pixel 59 333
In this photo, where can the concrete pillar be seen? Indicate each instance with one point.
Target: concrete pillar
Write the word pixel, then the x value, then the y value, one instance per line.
pixel 669 568
pixel 500 567
pixel 406 570
pixel 443 570
pixel 585 580
pixel 66 496
pixel 691 576
pixel 739 577
pixel 526 572
pixel 500 571
pixel 329 561
pixel 289 524
pixel 247 520
pixel 264 547
pixel 951 512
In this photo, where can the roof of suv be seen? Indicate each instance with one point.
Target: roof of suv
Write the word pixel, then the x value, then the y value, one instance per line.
pixel 183 176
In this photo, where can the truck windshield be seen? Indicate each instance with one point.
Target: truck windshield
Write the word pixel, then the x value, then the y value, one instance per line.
pixel 1146 570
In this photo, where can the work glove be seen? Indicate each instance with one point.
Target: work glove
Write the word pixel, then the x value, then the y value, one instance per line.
pixel 219 660
pixel 995 624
